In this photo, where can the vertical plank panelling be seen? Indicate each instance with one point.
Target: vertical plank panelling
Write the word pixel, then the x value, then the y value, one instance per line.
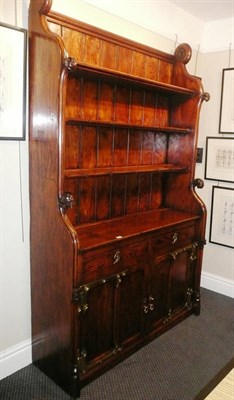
pixel 151 68
pixel 144 192
pixel 125 59
pixel 132 193
pixel 156 191
pixel 120 147
pixel 105 139
pixel 74 94
pixel 135 142
pixel 147 148
pixel 90 100
pixel 72 147
pixel 136 106
pixel 92 146
pixel 87 199
pixel 165 72
pixel 122 100
pixel 93 49
pixel 117 201
pixel 161 111
pixel 108 55
pixel 74 42
pixel 138 64
pixel 88 148
pixel 106 102
pixel 160 149
pixel 103 196
pixel 149 108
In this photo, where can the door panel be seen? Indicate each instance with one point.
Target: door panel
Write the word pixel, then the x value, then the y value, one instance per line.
pixel 131 293
pixel 158 299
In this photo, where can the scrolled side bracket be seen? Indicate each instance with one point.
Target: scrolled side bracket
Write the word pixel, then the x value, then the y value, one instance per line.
pixel 205 96
pixel 70 62
pixel 66 201
pixel 198 183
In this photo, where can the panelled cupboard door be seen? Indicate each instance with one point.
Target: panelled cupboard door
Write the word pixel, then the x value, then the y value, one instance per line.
pixel 109 316
pixel 182 277
pixel 131 294
pixel 171 286
pixel 158 305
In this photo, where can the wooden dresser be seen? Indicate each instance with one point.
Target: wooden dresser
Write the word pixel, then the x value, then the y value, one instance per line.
pixel 117 228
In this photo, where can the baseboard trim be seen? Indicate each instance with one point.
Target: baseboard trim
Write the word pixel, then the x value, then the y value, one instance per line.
pixel 15 358
pixel 217 284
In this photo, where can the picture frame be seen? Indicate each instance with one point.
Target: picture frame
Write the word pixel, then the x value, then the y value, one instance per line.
pixel 219 162
pixel 226 118
pixel 222 216
pixel 13 49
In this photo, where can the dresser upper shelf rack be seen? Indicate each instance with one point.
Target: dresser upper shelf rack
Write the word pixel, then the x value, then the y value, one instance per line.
pixel 108 75
pixel 101 123
pixel 74 173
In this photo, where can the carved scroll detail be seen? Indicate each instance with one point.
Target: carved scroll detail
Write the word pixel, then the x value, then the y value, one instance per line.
pixel 199 183
pixel 183 53
pixel 206 96
pixel 66 201
pixel 70 62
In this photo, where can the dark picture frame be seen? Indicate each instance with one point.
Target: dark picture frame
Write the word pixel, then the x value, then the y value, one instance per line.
pixel 222 216
pixel 226 117
pixel 219 162
pixel 13 55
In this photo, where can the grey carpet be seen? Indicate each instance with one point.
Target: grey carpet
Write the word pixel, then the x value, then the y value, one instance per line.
pixel 176 366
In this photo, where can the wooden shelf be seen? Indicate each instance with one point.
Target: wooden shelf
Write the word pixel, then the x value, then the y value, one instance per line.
pixel 129 169
pixel 165 129
pixel 102 233
pixel 105 74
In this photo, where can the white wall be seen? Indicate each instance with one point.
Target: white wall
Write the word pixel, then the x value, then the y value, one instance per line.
pixel 15 314
pixel 218 265
pixel 144 24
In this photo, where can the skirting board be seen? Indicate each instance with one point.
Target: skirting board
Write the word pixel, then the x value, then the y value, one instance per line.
pixel 15 358
pixel 20 355
pixel 217 284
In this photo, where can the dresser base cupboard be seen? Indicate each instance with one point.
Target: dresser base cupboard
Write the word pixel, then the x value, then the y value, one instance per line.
pixel 117 227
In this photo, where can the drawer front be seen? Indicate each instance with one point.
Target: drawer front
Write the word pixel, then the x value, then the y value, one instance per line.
pixel 172 240
pixel 96 265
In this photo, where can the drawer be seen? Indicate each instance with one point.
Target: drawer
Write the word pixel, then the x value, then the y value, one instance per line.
pixel 172 240
pixel 98 265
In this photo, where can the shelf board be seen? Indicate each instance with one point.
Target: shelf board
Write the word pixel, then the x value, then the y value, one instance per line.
pixel 105 74
pixel 105 232
pixel 129 169
pixel 113 124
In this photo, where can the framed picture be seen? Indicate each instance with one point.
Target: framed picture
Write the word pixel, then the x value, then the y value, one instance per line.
pixel 222 216
pixel 219 164
pixel 226 118
pixel 12 82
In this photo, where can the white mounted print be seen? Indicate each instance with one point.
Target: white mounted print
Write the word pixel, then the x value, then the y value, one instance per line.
pixel 12 82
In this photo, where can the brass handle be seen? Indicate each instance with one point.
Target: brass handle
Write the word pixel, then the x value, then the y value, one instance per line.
pixel 117 257
pixel 146 309
pixel 193 256
pixel 175 238
pixel 151 303
pixel 192 247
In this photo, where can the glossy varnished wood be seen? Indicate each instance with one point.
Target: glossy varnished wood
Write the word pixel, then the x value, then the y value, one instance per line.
pixel 117 228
